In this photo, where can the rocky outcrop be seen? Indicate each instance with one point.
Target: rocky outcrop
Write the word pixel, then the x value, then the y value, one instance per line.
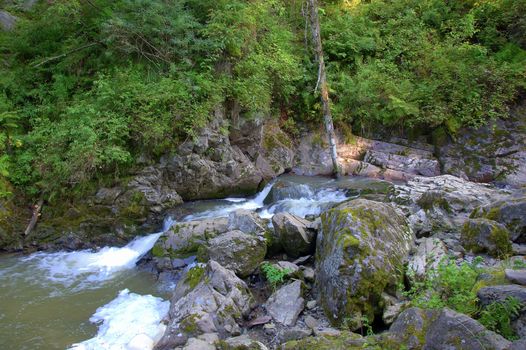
pixel 490 294
pixel 430 252
pixel 286 304
pixel 495 152
pixel 360 253
pixel 482 235
pixel 442 203
pixel 208 299
pixel 294 234
pixel 442 329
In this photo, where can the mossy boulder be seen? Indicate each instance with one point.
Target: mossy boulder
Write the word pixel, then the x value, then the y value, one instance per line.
pixel 237 251
pixel 510 212
pixel 346 340
pixel 486 236
pixel 208 299
pixel 360 253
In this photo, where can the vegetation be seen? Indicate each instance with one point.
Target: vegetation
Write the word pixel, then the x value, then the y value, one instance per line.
pixel 498 315
pixel 274 275
pixel 89 87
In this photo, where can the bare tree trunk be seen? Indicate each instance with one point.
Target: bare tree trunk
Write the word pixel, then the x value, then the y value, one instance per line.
pixel 36 214
pixel 322 83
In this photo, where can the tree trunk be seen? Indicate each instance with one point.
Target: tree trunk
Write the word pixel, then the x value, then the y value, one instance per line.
pixel 36 214
pixel 322 83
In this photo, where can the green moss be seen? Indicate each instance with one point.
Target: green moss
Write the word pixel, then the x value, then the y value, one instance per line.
pixel 430 200
pixel 501 239
pixel 158 251
pixel 189 325
pixel 194 276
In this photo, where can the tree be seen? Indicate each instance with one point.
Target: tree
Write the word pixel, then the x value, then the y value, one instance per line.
pixel 322 83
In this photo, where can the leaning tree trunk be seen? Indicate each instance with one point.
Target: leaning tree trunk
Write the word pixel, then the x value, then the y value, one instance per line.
pixel 322 83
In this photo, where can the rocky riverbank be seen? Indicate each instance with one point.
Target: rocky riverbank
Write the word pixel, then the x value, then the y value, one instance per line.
pixel 331 280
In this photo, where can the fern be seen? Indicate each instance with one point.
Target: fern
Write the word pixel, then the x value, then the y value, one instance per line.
pixel 497 316
pixel 274 275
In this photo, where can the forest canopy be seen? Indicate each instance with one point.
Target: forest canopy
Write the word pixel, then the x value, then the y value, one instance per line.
pixel 87 87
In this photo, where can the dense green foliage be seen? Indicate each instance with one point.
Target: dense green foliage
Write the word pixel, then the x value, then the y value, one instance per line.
pixel 89 87
pixel 274 275
pixel 497 317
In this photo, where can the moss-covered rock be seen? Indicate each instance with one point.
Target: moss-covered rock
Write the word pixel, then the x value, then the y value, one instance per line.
pixel 360 253
pixel 483 235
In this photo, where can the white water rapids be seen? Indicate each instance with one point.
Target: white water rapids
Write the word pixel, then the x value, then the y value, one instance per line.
pixel 131 317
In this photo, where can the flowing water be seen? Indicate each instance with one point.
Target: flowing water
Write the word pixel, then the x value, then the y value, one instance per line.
pixel 100 300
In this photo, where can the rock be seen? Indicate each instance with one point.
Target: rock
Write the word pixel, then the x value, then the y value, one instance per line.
pixel 392 308
pixel 198 344
pixel 206 300
pixel 519 249
pixel 294 333
pixel 430 252
pixel 241 342
pixel 516 276
pixel 246 221
pixel 483 235
pixel 286 304
pixel 438 329
pixel 309 274
pixel 510 212
pixel 311 304
pixel 490 294
pixel 441 203
pixel 185 238
pixel 327 332
pixel 311 322
pixel 360 252
pixel 330 340
pixel 7 21
pixel 287 265
pixel 406 164
pixel 519 344
pixel 494 152
pixel 238 251
pixel 294 234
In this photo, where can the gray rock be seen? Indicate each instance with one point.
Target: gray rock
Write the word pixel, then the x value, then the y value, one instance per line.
pixel 242 342
pixel 7 21
pixel 311 304
pixel 309 274
pixel 246 221
pixel 286 304
pixel 238 251
pixel 407 164
pixel 294 333
pixel 360 253
pixel 510 212
pixel 483 235
pixel 393 308
pixel 430 252
pixel 490 294
pixel 516 276
pixel 206 300
pixel 294 234
pixel 519 344
pixel 311 322
pixel 185 238
pixel 442 329
pixel 198 344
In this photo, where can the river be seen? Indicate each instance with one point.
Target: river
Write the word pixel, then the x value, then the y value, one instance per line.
pixel 100 299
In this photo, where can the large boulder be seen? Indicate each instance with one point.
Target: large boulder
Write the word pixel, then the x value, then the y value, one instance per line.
pixel 407 164
pixel 483 235
pixel 7 21
pixel 246 221
pixel 490 294
pixel 208 299
pixel 294 234
pixel 510 212
pixel 185 238
pixel 439 329
pixel 286 304
pixel 360 253
pixel 238 251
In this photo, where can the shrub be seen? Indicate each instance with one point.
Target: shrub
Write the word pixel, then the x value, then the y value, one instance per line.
pixel 274 275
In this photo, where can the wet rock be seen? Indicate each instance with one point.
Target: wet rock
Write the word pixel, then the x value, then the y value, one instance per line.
pixel 246 221
pixel 208 299
pixel 237 251
pixel 286 304
pixel 483 235
pixel 490 294
pixel 360 252
pixel 241 342
pixel 428 255
pixel 185 238
pixel 442 329
pixel 294 234
pixel 516 276
pixel 510 212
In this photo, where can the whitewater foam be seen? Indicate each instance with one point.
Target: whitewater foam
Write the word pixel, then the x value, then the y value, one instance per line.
pixel 126 319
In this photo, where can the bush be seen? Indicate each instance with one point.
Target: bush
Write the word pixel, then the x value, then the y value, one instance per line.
pixel 274 275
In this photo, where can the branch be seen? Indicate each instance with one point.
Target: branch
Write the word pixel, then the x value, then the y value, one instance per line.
pixel 64 54
pixel 34 218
